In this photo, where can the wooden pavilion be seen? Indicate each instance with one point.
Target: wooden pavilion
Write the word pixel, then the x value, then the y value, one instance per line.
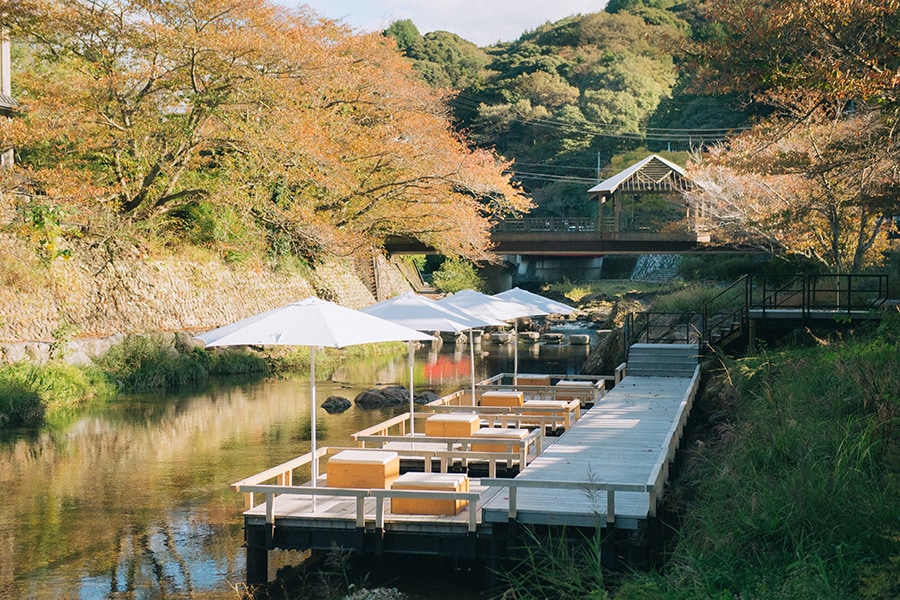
pixel 645 197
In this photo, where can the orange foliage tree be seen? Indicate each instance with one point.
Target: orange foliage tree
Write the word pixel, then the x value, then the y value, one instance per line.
pixel 819 177
pixel 311 131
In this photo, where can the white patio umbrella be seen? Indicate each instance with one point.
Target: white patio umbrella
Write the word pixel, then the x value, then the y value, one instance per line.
pixel 314 323
pixel 488 307
pixel 540 305
pixel 423 314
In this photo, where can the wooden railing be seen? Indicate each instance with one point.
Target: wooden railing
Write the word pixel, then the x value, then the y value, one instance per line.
pixel 360 495
pixel 545 224
pixel 609 488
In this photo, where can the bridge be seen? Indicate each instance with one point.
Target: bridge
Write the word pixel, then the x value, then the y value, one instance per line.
pixel 575 236
pixel 640 210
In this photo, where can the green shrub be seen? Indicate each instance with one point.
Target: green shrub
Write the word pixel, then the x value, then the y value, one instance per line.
pixel 455 275
pixel 20 402
pixel 690 299
pixel 147 362
pixel 231 361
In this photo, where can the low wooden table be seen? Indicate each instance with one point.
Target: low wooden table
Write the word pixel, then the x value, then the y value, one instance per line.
pixel 502 398
pixel 443 482
pixel 452 424
pixel 556 410
pixel 363 469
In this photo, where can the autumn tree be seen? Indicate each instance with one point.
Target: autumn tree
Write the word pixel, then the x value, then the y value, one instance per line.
pixel 316 135
pixel 820 176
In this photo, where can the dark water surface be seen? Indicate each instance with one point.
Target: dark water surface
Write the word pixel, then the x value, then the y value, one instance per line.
pixel 133 499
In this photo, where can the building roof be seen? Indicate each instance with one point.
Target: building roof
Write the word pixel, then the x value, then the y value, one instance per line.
pixel 8 104
pixel 654 167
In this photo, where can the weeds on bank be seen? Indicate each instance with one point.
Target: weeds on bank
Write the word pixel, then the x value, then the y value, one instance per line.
pixel 611 288
pixel 144 363
pixel 799 499
pixel 554 567
pixel 30 394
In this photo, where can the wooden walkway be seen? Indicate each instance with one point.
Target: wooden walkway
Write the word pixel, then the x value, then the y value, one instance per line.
pixel 608 470
pixel 621 449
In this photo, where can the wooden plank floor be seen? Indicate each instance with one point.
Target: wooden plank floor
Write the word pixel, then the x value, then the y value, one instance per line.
pixel 621 440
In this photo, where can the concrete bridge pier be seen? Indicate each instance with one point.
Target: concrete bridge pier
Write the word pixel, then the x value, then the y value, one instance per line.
pixel 518 268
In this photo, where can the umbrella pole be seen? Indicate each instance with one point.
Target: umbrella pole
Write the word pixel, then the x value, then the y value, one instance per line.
pixel 515 352
pixel 312 394
pixel 412 400
pixel 472 361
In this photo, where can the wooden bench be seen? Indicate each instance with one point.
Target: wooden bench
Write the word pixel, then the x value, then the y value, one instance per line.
pixel 583 391
pixel 541 380
pixel 440 482
pixel 452 424
pixel 513 435
pixel 363 469
pixel 502 398
pixel 555 411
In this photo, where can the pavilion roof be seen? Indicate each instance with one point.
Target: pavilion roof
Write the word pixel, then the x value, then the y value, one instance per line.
pixel 650 174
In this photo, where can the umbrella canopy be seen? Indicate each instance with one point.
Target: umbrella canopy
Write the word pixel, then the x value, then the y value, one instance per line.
pixel 488 307
pixel 424 314
pixel 540 304
pixel 310 322
pixel 421 313
pixel 482 305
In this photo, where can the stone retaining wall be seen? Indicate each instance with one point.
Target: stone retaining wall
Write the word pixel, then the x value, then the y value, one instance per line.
pixel 85 304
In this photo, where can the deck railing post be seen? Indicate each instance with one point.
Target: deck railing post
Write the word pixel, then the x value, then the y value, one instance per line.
pixel 360 511
pixel 512 502
pixel 379 512
pixel 610 506
pixel 270 521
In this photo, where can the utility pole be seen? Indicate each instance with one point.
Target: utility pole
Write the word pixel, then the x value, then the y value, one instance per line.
pixel 7 103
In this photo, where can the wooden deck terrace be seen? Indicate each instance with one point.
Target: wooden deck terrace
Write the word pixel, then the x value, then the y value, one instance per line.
pixel 606 471
pixel 610 467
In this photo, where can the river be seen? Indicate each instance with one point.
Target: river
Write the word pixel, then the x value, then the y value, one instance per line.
pixel 132 499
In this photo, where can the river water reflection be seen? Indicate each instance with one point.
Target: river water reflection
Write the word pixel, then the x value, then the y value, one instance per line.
pixel 133 499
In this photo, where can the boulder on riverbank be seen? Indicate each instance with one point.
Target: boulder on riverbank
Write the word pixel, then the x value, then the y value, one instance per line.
pixel 336 404
pixel 392 395
pixel 373 398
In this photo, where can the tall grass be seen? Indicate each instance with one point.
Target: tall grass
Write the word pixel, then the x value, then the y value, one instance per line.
pixel 690 299
pixel 557 567
pixel 797 496
pixel 146 362
pixel 31 394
